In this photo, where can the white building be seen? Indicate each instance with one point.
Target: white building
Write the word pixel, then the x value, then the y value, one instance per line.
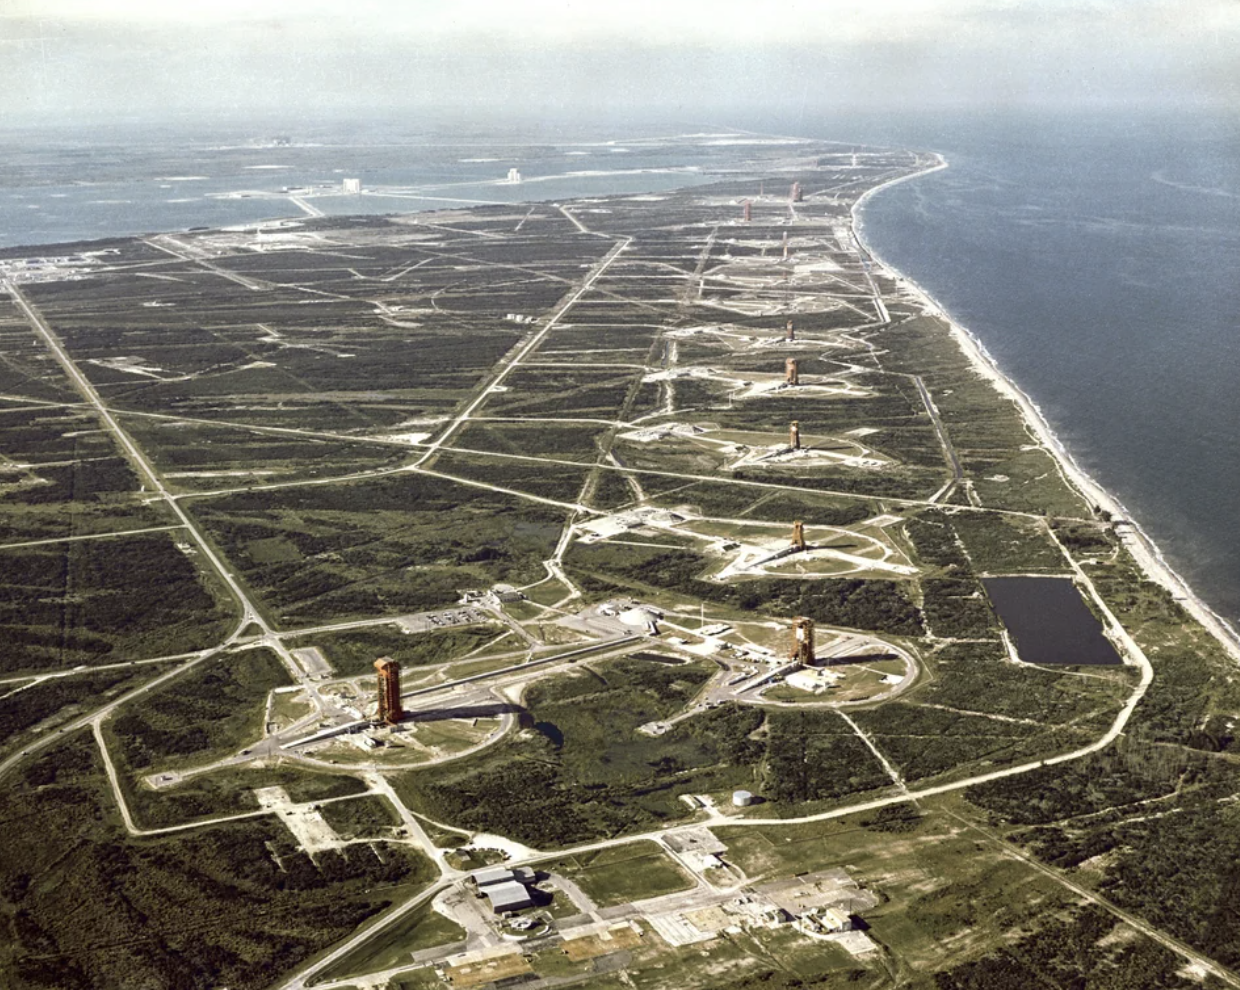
pixel 353 187
pixel 514 175
pixel 815 681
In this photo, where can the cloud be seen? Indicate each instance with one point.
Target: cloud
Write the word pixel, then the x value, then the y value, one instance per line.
pixel 313 53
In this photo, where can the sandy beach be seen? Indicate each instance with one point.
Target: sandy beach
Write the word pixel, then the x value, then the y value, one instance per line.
pixel 1146 553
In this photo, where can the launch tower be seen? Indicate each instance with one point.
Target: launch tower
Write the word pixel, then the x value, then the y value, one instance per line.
pixel 802 640
pixel 389 690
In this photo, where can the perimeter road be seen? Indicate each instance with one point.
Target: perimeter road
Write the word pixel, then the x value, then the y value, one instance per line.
pixel 249 613
pixel 525 351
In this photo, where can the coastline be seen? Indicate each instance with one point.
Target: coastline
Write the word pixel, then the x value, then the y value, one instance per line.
pixel 1145 551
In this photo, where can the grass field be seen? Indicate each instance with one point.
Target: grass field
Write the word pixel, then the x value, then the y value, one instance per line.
pixel 355 651
pixel 421 928
pixel 254 905
pixel 622 874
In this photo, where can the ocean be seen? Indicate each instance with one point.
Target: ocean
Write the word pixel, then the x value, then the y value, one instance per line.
pixel 1095 255
pixel 1097 258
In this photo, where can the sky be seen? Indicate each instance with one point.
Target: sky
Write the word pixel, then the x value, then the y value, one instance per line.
pixel 95 59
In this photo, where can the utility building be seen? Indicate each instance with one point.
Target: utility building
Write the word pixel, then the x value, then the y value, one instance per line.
pixel 790 372
pixel 794 435
pixel 798 536
pixel 505 888
pixel 389 690
pixel 802 640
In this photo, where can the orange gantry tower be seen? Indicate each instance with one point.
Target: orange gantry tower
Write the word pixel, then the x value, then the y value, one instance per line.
pixel 791 331
pixel 794 435
pixel 798 535
pixel 748 211
pixel 389 690
pixel 795 193
pixel 802 640
pixel 790 372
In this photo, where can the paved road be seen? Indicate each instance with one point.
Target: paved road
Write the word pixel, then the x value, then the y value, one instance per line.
pixel 1174 944
pixel 944 440
pixel 90 536
pixel 102 712
pixel 533 344
pixel 145 468
pixel 1121 720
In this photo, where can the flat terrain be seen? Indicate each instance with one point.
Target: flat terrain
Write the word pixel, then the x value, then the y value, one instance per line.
pixel 577 468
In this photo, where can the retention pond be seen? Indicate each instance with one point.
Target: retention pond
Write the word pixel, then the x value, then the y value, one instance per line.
pixel 1049 621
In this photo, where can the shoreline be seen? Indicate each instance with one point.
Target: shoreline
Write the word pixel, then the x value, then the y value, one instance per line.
pixel 1149 558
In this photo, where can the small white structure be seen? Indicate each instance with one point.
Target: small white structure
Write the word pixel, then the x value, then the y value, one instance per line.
pixel 353 187
pixel 641 617
pixel 742 799
pixel 812 680
pixel 514 176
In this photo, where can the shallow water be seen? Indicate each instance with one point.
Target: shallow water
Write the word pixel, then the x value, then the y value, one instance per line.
pixel 1049 621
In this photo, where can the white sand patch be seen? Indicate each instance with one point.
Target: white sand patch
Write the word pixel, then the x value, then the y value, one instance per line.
pixel 309 828
pixel 410 438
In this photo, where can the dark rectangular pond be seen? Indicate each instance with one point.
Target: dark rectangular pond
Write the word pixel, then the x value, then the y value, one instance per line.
pixel 1049 622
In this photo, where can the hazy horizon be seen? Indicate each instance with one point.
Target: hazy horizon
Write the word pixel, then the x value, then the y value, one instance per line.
pixel 73 62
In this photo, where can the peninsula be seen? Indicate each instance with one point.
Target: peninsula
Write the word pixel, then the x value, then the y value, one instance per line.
pixel 645 590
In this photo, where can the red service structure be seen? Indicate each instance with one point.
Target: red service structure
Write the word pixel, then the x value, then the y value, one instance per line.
pixel 389 690
pixel 802 640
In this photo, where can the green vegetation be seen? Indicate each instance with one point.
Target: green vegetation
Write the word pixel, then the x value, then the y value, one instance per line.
pixel 230 905
pixel 444 838
pixel 815 755
pixel 52 702
pixel 584 770
pixel 536 438
pixel 355 651
pixel 103 601
pixel 368 817
pixel 220 792
pixel 390 546
pixel 210 712
pixel 999 544
pixel 334 374
pixel 883 606
pixel 957 609
pixel 925 742
pixel 978 677
pixel 622 874
pixel 421 928
pixel 1082 951
pixel 196 456
pixel 559 482
pixel 64 476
